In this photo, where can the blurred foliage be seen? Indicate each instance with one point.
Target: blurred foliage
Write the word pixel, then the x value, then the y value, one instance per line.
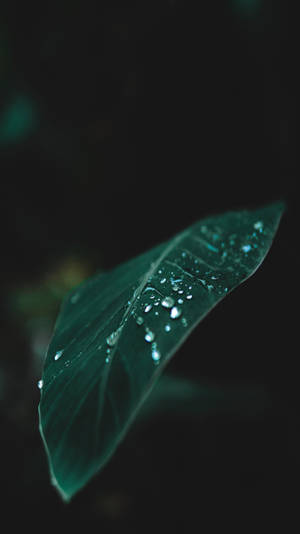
pixel 247 7
pixel 18 120
pixel 44 298
pixel 33 307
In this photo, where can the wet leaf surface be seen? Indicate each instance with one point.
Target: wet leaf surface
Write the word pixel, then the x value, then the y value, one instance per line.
pixel 117 331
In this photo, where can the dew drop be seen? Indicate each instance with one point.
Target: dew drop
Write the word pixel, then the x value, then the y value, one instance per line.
pixel 175 287
pixel 167 302
pixel 184 321
pixel 139 320
pixel 113 338
pixel 107 359
pixel 163 280
pixel 40 384
pixel 175 312
pixel 209 287
pixel 58 354
pixel 148 308
pixel 258 225
pixel 149 336
pixel 180 301
pixel 155 353
pixel 167 328
pixel 189 297
pixel 246 248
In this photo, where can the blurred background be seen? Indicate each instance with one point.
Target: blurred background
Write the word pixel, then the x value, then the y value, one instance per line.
pixel 121 123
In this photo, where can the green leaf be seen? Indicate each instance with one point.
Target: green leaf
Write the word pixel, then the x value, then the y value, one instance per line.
pixel 117 331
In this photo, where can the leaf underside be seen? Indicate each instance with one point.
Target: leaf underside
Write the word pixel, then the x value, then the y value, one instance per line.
pixel 117 331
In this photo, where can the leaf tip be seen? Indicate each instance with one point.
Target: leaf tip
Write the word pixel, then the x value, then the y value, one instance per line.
pixel 274 211
pixel 281 205
pixel 66 497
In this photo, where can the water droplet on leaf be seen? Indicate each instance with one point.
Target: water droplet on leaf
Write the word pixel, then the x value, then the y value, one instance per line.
pixel 167 302
pixel 175 312
pixel 155 353
pixel 58 354
pixel 149 336
pixel 75 298
pixel 184 321
pixel 113 338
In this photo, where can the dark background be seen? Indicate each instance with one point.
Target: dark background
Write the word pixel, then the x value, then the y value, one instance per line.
pixel 121 123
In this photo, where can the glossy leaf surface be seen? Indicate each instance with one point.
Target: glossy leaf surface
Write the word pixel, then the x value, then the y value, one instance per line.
pixel 117 331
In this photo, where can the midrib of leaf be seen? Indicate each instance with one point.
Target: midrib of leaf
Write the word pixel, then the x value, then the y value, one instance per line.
pixel 153 267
